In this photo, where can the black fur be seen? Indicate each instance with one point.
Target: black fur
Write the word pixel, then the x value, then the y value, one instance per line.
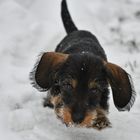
pixel 84 48
pixel 82 99
pixel 86 62
pixel 67 20
pixel 81 42
pixel 84 68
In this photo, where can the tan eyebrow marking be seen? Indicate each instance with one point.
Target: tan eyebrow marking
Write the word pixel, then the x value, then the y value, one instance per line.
pixel 92 84
pixel 74 83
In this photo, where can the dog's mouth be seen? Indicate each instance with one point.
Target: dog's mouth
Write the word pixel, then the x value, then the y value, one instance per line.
pixel 78 125
pixel 94 119
pixel 64 114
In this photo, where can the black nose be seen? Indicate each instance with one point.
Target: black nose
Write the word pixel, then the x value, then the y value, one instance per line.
pixel 77 117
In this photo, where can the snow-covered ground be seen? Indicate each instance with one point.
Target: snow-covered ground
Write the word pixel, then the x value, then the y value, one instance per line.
pixel 28 27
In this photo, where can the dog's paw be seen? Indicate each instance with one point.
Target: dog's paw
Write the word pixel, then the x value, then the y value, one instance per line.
pixel 101 123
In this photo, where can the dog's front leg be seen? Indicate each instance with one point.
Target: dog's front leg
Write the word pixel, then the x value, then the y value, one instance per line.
pixel 101 121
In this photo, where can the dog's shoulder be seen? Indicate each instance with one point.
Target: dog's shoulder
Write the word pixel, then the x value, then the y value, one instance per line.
pixel 77 37
pixel 81 41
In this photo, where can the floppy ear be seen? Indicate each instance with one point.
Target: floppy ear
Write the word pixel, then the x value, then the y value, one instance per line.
pixel 44 70
pixel 122 87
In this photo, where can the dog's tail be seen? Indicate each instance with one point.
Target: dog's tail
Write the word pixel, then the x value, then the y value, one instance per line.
pixel 66 18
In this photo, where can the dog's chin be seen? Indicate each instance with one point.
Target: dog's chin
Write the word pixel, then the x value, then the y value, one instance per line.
pixel 94 119
pixel 72 124
pixel 64 115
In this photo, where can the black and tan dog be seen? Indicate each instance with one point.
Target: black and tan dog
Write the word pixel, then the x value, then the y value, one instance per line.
pixel 77 76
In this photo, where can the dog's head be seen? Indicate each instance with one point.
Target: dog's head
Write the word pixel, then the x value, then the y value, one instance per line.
pixel 78 84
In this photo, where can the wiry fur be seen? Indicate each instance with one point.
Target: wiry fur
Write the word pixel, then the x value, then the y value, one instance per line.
pixel 77 76
pixel 67 20
pixel 32 75
pixel 133 97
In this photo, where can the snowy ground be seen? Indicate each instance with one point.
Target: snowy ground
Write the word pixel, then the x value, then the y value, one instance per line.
pixel 28 27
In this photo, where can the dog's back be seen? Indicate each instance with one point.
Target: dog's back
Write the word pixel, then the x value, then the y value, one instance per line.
pixel 77 41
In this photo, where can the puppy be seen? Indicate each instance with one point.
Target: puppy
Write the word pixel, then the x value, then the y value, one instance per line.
pixel 77 76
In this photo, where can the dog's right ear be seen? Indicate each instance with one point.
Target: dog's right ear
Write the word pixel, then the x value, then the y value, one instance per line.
pixel 122 86
pixel 42 75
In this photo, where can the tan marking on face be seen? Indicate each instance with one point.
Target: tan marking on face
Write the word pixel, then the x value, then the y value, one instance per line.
pixel 90 117
pixel 67 116
pixel 64 114
pixel 92 84
pixel 55 100
pixel 74 83
pixel 59 113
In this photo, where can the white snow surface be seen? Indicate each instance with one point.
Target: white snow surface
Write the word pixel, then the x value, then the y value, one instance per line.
pixel 28 27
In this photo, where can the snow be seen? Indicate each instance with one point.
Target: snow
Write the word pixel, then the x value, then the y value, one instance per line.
pixel 28 27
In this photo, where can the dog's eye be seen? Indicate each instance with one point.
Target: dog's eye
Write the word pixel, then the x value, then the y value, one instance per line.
pixel 57 89
pixel 67 86
pixel 87 104
pixel 93 90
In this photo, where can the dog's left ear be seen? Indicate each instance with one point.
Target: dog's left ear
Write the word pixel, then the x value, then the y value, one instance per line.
pixel 122 87
pixel 44 71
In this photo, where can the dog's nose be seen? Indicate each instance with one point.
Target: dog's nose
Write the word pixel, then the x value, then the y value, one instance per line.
pixel 77 118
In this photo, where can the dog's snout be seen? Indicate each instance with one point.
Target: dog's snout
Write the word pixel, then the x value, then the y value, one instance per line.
pixel 77 117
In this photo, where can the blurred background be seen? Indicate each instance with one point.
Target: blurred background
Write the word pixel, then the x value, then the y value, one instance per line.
pixel 28 27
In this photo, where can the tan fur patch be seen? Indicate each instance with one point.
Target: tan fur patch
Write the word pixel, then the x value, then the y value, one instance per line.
pixel 64 114
pixel 92 84
pixel 67 116
pixel 74 83
pixel 55 100
pixel 90 117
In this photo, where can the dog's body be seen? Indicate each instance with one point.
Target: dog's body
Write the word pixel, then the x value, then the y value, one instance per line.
pixel 77 76
pixel 81 42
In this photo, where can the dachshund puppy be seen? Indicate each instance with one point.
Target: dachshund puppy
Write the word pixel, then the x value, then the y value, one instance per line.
pixel 77 76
